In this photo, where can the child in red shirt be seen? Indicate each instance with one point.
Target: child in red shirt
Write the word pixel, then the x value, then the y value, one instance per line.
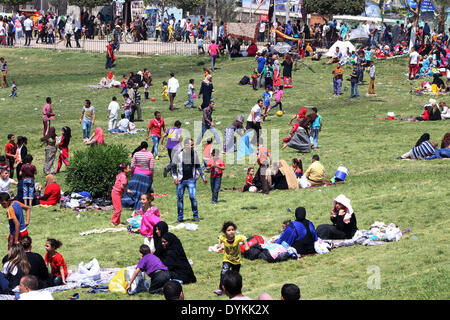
pixel 155 126
pixel 56 261
pixel 216 166
pixel 207 152
pixel 124 85
pixel 10 153
pixel 249 179
pixel 64 148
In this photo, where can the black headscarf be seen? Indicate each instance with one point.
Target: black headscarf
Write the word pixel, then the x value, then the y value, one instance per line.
pixel 164 228
pixel 174 258
pixel 300 214
pixel 424 137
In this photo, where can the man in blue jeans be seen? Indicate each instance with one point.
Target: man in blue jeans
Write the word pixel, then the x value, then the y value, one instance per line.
pixel 216 166
pixel 87 118
pixel 315 128
pixel 185 172
pixel 354 82
pixel 208 124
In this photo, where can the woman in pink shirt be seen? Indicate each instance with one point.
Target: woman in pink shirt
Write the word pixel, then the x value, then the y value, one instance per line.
pixel 156 125
pixel 47 115
pixel 142 165
pixel 213 51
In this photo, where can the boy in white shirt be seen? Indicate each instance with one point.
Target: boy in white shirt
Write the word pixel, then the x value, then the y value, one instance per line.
pixel 113 111
pixel 6 181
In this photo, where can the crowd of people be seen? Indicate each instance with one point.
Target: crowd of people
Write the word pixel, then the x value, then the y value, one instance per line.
pixel 162 256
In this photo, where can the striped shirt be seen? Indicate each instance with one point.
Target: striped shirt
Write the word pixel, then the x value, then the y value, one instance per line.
pixel 425 149
pixel 143 163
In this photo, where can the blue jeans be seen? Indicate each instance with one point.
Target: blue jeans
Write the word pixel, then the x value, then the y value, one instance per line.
pixel 191 185
pixel 28 188
pixel 439 154
pixel 215 188
pixel 337 85
pixel 86 129
pixel 213 130
pixel 190 101
pixel 314 137
pixel 155 145
pixel 354 90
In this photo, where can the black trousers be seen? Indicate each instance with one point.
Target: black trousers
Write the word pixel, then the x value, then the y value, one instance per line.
pixel 158 280
pixel 27 37
pixel 255 126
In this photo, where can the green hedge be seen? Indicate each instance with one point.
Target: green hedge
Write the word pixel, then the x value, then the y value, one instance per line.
pixel 95 169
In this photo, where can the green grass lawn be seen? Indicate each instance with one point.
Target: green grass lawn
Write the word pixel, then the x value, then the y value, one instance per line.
pixel 410 194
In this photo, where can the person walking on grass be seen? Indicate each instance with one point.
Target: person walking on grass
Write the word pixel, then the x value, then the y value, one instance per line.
pixel 214 53
pixel 337 79
pixel 155 127
pixel 215 165
pixel 186 169
pixel 232 256
pixel 172 88
pixel 87 118
pixel 4 67
pixel 354 82
pixel 316 127
pixel 372 79
pixel 47 115
pixel 208 124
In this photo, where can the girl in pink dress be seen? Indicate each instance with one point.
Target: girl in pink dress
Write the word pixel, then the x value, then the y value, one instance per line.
pixel 150 217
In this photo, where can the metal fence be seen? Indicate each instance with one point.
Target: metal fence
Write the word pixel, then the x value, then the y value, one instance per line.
pixel 143 47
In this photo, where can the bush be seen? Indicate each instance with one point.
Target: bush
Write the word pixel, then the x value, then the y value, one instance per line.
pixel 95 169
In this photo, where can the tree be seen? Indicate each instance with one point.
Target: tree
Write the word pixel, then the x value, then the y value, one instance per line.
pixel 416 12
pixel 328 8
pixel 161 5
pixel 15 3
pixel 88 3
pixel 441 13
pixel 225 10
pixel 187 5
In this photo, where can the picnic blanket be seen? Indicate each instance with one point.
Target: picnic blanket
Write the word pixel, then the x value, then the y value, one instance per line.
pixel 73 282
pixel 378 234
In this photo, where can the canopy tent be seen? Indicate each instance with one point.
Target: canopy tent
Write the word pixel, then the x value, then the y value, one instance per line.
pixel 245 31
pixel 343 45
pixel 358 34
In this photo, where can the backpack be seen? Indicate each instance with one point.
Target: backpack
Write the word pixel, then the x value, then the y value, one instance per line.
pixel 252 241
pixel 245 80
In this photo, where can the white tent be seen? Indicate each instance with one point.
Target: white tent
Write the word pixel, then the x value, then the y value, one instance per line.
pixel 358 33
pixel 343 45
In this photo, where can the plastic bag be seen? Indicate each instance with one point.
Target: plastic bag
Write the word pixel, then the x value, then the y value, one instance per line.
pixel 119 282
pixel 89 271
pixel 135 222
pixel 304 183
pixel 321 247
pixel 138 284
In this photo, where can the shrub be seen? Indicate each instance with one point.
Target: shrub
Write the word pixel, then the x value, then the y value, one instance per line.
pixel 95 169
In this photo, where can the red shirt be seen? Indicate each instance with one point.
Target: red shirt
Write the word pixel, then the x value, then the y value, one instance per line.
pixel 109 50
pixel 28 171
pixel 121 179
pixel 156 125
pixel 249 180
pixel 55 263
pixel 11 149
pixel 53 191
pixel 425 116
pixel 216 172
